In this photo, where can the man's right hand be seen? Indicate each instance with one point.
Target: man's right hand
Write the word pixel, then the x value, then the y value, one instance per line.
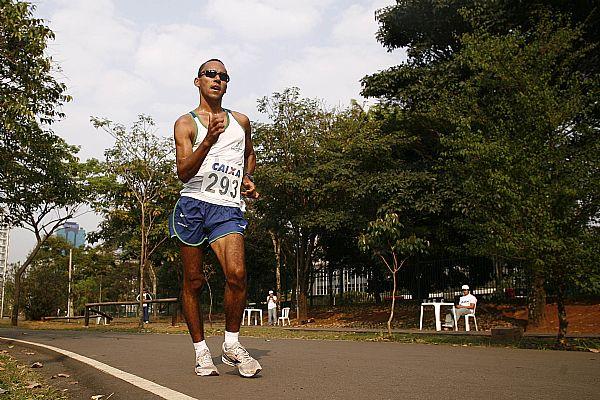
pixel 216 126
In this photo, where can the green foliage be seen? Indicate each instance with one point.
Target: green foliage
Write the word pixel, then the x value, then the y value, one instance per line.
pixel 289 178
pixel 260 260
pixel 388 239
pixel 45 286
pixel 522 154
pixel 30 99
pixel 100 274
pixel 137 189
pixel 509 92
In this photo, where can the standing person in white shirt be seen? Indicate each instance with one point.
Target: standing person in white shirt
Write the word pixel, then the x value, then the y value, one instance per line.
pixel 466 305
pixel 147 297
pixel 272 307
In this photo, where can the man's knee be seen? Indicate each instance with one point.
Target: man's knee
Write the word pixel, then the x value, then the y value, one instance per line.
pixel 194 282
pixel 236 279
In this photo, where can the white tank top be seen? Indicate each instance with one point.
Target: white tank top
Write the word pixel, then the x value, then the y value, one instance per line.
pixel 219 179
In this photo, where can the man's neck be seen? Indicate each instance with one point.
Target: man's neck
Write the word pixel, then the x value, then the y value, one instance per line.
pixel 213 107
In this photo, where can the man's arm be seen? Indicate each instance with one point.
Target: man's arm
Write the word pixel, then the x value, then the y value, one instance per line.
pixel 249 156
pixel 189 161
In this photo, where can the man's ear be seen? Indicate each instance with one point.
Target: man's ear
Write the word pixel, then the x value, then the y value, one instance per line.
pixel 197 82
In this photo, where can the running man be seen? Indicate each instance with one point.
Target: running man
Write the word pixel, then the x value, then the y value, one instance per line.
pixel 215 162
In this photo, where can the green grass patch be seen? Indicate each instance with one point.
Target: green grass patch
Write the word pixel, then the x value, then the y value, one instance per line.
pixel 15 377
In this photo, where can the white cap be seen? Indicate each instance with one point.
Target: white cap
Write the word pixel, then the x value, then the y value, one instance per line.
pixel 465 287
pixel 270 292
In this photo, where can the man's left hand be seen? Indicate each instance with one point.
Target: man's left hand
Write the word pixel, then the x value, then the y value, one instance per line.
pixel 250 191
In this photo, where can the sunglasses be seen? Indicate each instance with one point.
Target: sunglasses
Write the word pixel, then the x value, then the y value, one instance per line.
pixel 211 73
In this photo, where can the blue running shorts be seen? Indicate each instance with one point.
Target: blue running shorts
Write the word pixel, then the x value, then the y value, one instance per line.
pixel 195 221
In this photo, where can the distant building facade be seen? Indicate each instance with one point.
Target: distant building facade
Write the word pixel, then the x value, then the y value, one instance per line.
pixel 3 249
pixel 72 233
pixel 4 230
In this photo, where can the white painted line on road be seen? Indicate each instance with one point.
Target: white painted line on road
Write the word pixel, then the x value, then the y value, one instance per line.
pixel 135 380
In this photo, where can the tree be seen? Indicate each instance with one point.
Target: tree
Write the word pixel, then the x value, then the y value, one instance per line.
pixel 30 98
pixel 532 149
pixel 47 199
pixel 39 173
pixel 45 286
pixel 509 94
pixel 138 189
pixel 286 170
pixel 260 258
pixel 393 244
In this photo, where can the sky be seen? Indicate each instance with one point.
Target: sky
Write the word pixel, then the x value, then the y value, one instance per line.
pixel 123 58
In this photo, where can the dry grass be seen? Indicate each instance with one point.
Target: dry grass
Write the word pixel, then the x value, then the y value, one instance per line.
pixel 15 379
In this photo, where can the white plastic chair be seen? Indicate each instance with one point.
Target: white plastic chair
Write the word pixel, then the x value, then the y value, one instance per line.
pixel 285 314
pixel 471 315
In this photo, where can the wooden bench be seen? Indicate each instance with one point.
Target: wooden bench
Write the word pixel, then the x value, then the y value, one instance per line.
pixel 76 317
pixel 89 307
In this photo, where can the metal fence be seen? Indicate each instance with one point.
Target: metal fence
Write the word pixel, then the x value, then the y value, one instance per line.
pixel 487 277
pixel 490 278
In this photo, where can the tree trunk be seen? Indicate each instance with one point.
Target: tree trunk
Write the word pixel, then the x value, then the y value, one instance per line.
pixel 16 295
pixel 562 316
pixel 302 304
pixel 14 320
pixel 277 250
pixel 389 323
pixel 304 262
pixel 537 300
pixel 141 269
pixel 154 283
pixel 211 303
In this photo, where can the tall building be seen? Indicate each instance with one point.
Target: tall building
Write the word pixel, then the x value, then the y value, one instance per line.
pixel 72 233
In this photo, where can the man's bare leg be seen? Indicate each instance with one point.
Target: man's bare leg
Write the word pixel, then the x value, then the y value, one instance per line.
pixel 193 281
pixel 230 253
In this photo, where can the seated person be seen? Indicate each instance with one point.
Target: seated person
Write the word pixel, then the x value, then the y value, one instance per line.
pixel 466 304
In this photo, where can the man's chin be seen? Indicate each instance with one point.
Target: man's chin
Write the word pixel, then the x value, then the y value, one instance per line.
pixel 213 96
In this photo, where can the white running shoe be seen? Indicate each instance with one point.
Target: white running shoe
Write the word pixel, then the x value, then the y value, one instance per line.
pixel 205 365
pixel 237 356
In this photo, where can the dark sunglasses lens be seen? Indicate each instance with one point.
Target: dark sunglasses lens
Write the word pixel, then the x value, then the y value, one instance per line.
pixel 211 73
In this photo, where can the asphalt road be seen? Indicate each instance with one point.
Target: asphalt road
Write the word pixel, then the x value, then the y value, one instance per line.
pixel 301 369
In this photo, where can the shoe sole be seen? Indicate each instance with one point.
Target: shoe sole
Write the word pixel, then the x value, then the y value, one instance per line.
pixel 227 360
pixel 213 373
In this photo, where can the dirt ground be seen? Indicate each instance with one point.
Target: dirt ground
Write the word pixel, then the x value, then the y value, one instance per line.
pixel 583 318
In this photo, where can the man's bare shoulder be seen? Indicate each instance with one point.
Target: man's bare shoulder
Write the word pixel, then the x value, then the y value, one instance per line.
pixel 184 125
pixel 242 119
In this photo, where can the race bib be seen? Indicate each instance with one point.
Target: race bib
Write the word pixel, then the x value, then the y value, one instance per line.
pixel 222 181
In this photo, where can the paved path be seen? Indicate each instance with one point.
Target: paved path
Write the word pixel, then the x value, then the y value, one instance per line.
pixel 301 369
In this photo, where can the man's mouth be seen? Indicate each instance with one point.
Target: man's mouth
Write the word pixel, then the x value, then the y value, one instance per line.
pixel 216 87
